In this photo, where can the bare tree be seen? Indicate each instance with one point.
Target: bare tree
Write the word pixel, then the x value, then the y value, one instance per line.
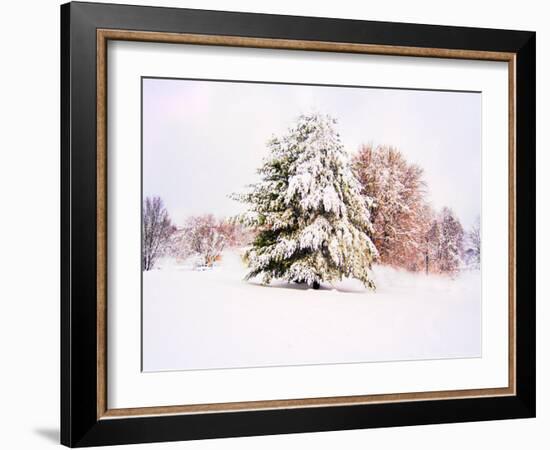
pixel 445 243
pixel 398 208
pixel 473 250
pixel 203 236
pixel 235 233
pixel 432 241
pixel 452 242
pixel 157 231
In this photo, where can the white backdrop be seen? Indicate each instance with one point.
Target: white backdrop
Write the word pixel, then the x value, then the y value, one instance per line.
pixel 29 323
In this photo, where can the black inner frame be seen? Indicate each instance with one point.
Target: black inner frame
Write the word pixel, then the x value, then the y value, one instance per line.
pixel 79 423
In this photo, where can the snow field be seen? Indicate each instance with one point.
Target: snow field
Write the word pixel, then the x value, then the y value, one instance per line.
pixel 213 319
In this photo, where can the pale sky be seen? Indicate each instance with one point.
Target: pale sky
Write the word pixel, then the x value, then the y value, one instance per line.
pixel 203 140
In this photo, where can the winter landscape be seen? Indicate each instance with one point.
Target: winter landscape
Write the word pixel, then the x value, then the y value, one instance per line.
pixel 338 227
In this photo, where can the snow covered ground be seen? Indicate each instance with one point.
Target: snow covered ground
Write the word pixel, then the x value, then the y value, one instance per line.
pixel 213 319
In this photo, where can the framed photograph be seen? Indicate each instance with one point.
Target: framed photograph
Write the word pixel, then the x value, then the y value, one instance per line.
pixel 277 224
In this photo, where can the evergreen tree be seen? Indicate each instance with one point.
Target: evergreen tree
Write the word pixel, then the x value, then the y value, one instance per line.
pixel 313 223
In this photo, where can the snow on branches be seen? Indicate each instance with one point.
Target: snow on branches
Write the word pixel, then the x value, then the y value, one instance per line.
pixel 398 208
pixel 472 253
pixel 313 223
pixel 315 216
pixel 203 238
pixel 157 232
pixel 445 243
pixel 406 231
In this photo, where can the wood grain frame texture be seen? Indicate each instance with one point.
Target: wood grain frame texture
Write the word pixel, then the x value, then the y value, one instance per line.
pixel 105 35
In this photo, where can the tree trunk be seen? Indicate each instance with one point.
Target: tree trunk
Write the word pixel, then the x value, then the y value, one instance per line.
pixel 427 263
pixel 316 285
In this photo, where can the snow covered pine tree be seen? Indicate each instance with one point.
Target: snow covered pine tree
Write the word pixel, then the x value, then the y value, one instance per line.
pixel 313 224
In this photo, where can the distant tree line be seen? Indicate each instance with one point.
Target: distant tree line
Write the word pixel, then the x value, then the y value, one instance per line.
pixel 202 237
pixel 316 217
pixel 407 232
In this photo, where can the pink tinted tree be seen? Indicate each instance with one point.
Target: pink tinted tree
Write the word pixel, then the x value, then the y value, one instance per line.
pixel 206 237
pixel 398 209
